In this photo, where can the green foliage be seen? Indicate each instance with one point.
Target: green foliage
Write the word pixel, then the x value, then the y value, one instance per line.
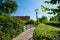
pixel 58 17
pixel 46 32
pixel 43 19
pixel 30 22
pixel 44 9
pixel 8 6
pixel 53 23
pixel 51 2
pixel 52 10
pixel 10 27
pixel 53 19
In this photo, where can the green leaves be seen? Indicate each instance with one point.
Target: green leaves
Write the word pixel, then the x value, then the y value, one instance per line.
pixel 9 6
pixel 43 19
pixel 51 2
pixel 44 9
pixel 30 22
pixel 52 10
pixel 46 32
pixel 10 27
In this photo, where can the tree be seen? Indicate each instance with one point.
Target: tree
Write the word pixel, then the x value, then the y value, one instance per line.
pixel 30 22
pixel 58 17
pixel 8 6
pixel 52 10
pixel 53 18
pixel 43 19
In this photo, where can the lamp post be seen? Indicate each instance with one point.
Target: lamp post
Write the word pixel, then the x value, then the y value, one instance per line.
pixel 36 10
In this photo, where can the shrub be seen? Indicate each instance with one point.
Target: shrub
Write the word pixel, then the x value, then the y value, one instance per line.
pixel 46 32
pixel 43 19
pixel 30 22
pixel 10 27
pixel 52 23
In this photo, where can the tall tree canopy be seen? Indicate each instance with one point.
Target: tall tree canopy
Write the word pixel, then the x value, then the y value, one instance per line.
pixel 8 6
pixel 52 10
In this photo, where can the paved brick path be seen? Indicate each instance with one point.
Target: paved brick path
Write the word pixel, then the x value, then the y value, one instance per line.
pixel 25 35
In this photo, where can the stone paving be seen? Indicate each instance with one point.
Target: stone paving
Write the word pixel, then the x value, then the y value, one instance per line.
pixel 25 35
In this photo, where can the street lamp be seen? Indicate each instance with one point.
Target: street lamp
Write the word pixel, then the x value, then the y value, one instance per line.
pixel 36 10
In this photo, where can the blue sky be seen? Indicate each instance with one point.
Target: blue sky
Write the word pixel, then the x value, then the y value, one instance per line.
pixel 27 7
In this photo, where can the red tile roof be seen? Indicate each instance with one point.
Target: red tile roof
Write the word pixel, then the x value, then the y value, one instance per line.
pixel 23 17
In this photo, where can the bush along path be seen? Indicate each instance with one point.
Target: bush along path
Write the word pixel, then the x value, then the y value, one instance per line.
pixel 10 27
pixel 46 32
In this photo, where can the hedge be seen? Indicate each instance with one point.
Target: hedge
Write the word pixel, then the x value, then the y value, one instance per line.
pixel 10 27
pixel 46 32
pixel 56 24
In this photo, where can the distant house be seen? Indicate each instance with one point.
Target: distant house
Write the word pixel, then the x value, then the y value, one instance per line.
pixel 24 18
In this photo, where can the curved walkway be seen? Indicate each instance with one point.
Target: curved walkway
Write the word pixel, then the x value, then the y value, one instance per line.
pixel 25 35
